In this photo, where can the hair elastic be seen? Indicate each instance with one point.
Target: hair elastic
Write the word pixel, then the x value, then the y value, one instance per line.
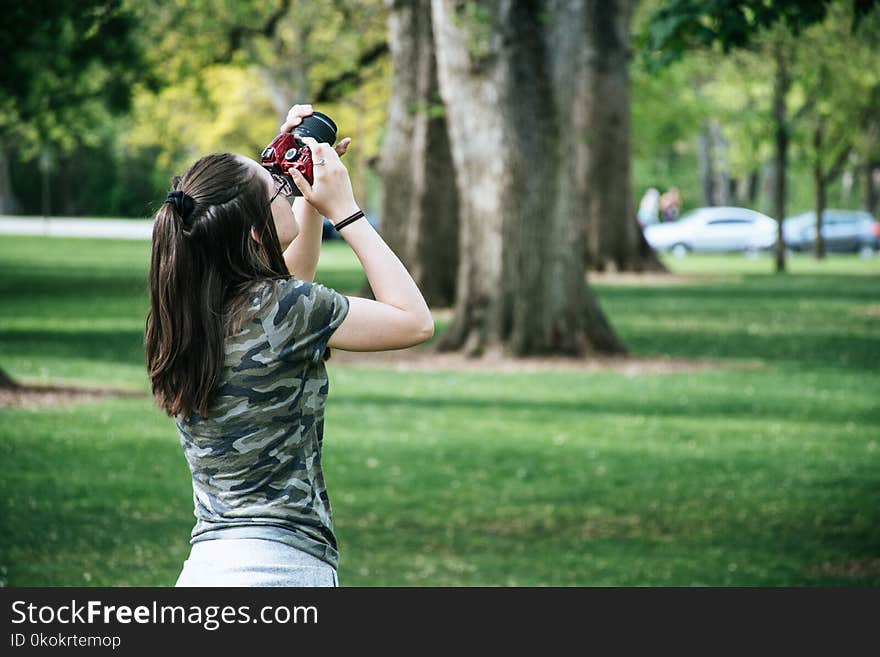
pixel 182 201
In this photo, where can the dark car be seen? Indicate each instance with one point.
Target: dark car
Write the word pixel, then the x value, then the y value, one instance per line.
pixel 844 231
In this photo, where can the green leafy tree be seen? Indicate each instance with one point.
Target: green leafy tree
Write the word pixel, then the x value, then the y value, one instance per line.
pixel 68 68
pixel 679 26
pixel 840 82
pixel 231 70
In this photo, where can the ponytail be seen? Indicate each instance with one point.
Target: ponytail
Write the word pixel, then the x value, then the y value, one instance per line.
pixel 203 262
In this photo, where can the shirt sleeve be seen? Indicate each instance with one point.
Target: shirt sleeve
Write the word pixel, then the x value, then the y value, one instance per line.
pixel 305 315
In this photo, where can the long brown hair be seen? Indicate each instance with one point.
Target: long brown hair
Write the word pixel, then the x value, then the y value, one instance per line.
pixel 204 260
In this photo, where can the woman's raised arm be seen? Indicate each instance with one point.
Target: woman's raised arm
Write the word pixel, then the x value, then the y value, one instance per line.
pixel 399 317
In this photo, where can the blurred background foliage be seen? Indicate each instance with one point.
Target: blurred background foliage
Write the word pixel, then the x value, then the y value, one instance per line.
pixel 102 101
pixel 722 83
pixel 171 81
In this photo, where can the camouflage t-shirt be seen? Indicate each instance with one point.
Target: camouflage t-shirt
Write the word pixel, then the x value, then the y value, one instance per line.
pixel 256 457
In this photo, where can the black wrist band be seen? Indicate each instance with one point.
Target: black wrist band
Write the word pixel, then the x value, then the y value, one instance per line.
pixel 342 224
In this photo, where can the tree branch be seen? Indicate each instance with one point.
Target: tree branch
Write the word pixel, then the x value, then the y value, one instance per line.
pixel 871 111
pixel 837 166
pixel 237 34
pixel 333 88
pixel 803 110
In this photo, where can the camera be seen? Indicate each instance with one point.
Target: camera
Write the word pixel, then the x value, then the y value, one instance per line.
pixel 287 151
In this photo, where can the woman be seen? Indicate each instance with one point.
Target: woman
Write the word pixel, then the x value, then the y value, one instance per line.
pixel 236 339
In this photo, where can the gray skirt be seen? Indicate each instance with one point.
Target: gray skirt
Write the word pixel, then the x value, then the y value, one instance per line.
pixel 253 562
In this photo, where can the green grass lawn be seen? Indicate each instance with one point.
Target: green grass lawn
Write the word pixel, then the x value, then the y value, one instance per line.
pixel 762 471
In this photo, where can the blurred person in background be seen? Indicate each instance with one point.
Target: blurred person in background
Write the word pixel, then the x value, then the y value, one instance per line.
pixel 670 205
pixel 649 206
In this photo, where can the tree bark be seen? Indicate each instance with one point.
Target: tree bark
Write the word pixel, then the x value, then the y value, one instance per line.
pixel 819 188
pixel 515 89
pixel 8 202
pixel 614 237
pixel 715 178
pixel 781 86
pixel 871 192
pixel 45 165
pixel 420 197
pixel 705 165
pixel 752 187
pixel 872 165
pixel 721 179
pixel 287 75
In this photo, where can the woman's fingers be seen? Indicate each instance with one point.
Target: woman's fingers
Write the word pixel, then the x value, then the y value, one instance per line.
pixel 302 184
pixel 290 124
pixel 295 116
pixel 342 146
pixel 330 192
pixel 320 150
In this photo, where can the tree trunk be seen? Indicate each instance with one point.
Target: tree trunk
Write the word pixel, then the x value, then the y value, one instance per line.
pixel 819 183
pixel 287 75
pixel 721 180
pixel 752 187
pixel 614 237
pixel 359 163
pixel 420 198
pixel 781 85
pixel 872 172
pixel 45 166
pixel 872 166
pixel 8 202
pixel 704 164
pixel 514 88
pixel 819 188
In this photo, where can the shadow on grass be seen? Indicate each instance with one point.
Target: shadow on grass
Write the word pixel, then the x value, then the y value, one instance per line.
pixel 778 290
pixel 704 407
pixel 805 320
pixel 794 319
pixel 807 350
pixel 106 346
pixel 29 282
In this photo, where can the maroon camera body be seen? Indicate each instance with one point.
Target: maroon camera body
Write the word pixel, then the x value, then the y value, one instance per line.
pixel 287 151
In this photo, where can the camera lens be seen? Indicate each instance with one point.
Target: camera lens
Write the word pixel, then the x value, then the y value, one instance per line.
pixel 318 126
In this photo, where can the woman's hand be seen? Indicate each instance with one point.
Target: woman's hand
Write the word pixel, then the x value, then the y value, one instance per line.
pixel 294 118
pixel 330 192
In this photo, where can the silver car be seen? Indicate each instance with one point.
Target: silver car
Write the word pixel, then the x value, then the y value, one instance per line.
pixel 714 229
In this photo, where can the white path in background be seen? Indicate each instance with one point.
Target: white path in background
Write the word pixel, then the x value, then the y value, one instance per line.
pixel 126 229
